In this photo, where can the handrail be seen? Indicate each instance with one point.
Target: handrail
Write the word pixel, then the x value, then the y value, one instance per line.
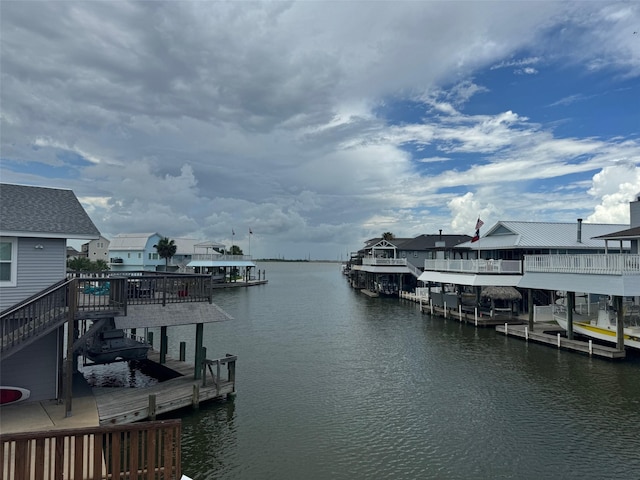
pixel 140 450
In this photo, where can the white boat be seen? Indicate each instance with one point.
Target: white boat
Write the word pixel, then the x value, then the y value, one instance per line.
pixel 112 345
pixel 604 326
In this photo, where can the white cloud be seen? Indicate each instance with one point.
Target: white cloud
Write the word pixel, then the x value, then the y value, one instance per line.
pixel 614 187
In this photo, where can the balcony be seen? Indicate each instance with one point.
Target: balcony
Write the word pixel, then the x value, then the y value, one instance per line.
pixel 385 261
pixel 211 257
pixel 475 266
pixel 590 264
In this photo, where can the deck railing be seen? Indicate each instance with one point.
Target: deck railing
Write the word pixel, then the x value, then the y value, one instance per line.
pixel 593 264
pixel 384 261
pixel 474 266
pixel 208 257
pixel 144 451
pixel 95 297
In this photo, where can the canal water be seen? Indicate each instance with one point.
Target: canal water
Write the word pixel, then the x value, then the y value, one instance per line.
pixel 333 384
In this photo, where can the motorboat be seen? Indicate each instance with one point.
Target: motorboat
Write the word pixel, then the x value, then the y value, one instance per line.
pixel 604 327
pixel 113 345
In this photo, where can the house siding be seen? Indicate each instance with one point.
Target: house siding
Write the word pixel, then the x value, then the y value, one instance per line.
pixel 38 268
pixel 34 368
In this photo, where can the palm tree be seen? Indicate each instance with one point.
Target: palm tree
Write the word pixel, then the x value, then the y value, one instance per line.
pixel 388 236
pixel 166 249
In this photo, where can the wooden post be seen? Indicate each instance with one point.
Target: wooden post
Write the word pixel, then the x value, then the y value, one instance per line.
pixel 197 370
pixel 163 345
pixel 183 351
pixel 195 400
pixel 71 327
pixel 570 305
pixel 150 338
pixel 152 406
pixel 617 302
pixel 530 304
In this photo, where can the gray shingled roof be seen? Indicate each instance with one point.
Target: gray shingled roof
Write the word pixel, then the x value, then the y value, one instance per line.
pixel 43 212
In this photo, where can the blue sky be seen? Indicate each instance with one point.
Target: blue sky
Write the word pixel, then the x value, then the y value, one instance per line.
pixel 322 124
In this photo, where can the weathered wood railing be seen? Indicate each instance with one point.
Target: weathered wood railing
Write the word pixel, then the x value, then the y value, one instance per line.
pixel 208 365
pixel 142 451
pixel 95 297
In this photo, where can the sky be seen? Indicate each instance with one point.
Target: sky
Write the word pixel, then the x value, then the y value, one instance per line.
pixel 317 125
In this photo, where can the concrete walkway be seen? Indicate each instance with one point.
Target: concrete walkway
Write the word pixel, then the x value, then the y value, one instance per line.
pixel 49 414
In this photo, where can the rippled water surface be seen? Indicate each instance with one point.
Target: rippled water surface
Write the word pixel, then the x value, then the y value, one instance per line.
pixel 335 385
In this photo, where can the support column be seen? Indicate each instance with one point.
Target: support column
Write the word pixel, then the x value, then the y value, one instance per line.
pixel 71 328
pixel 197 369
pixel 163 345
pixel 571 302
pixel 617 302
pixel 530 307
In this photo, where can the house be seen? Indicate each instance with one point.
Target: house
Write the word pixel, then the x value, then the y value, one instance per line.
pixel 387 266
pixel 96 249
pixel 35 224
pixel 496 259
pixel 135 252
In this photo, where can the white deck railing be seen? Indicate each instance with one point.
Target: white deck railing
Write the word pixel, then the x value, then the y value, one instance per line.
pixel 384 261
pixel 219 258
pixel 474 266
pixel 593 264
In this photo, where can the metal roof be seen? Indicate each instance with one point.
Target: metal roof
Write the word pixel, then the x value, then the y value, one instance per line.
pixel 535 235
pixel 130 241
pixel 43 212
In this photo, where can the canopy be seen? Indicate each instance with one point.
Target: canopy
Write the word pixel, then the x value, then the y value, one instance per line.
pixel 501 293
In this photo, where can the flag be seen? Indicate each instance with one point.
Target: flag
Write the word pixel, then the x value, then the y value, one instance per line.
pixel 479 224
pixel 250 232
pixel 232 232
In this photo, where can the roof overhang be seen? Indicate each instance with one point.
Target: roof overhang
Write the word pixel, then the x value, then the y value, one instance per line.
pixel 471 279
pixel 382 269
pixel 220 263
pixel 75 236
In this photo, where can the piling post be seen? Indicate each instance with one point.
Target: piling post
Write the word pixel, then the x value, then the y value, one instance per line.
pixel 163 345
pixel 475 315
pixel 530 307
pixel 150 338
pixel 183 351
pixel 619 322
pixel 571 301
pixel 152 406
pixel 198 351
pixel 195 399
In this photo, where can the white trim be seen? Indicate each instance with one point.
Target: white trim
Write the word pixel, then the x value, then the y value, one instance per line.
pixel 14 262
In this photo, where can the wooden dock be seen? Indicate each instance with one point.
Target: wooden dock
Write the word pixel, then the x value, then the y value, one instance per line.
pixel 118 406
pixel 551 334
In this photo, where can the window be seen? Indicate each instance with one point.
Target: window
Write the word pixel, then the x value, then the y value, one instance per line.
pixel 8 263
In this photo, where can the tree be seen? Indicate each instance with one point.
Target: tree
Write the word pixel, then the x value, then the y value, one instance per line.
pixel 235 250
pixel 79 264
pixel 166 249
pixel 388 236
pixel 100 265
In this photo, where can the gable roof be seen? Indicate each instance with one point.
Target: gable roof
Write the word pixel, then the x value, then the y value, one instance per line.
pixel 425 241
pixel 28 211
pixel 528 235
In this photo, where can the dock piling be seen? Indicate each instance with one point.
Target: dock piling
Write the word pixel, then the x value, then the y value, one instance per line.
pixel 152 406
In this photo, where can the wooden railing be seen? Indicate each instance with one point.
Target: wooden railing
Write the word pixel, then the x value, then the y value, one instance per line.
pixel 141 451
pixel 230 361
pixel 94 297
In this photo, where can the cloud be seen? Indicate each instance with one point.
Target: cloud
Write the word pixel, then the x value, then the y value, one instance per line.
pixel 189 118
pixel 614 187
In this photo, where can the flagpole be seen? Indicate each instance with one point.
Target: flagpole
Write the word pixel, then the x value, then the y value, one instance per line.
pixel 249 242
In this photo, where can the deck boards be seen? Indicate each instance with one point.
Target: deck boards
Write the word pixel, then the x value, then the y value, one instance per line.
pixel 548 334
pixel 127 405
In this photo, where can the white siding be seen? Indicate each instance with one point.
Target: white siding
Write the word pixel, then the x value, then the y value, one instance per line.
pixel 38 268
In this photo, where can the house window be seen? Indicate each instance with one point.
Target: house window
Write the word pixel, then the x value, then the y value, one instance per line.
pixel 8 263
pixel 415 253
pixel 153 256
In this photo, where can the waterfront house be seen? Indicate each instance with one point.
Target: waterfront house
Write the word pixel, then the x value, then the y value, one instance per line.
pixel 97 249
pixel 387 266
pixel 130 252
pixel 35 224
